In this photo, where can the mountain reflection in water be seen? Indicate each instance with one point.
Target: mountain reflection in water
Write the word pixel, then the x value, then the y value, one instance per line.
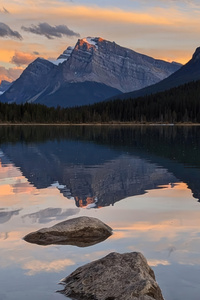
pixel 149 173
pixel 97 166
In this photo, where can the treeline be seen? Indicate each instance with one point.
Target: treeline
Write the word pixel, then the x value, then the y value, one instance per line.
pixel 181 104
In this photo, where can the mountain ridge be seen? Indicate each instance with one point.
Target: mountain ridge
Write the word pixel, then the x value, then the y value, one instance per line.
pixel 187 73
pixel 4 86
pixel 92 62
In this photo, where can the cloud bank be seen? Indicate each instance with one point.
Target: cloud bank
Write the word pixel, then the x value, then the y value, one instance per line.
pixel 9 74
pixel 6 31
pixel 49 31
pixel 21 58
pixel 4 11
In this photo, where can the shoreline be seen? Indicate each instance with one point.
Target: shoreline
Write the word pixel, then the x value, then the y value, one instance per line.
pixel 100 124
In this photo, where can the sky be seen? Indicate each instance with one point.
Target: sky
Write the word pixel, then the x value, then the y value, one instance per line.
pixel 164 29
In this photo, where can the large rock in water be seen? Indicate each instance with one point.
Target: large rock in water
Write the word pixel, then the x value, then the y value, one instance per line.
pixel 81 232
pixel 114 277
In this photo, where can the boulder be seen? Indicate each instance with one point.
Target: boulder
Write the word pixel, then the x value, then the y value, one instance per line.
pixel 114 277
pixel 81 232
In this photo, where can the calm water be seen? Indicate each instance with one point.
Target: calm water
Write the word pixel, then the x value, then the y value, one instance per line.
pixel 142 181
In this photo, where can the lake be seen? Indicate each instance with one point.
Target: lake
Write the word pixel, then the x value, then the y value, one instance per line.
pixel 143 181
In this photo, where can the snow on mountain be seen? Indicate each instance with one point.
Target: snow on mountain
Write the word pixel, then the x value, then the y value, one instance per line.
pixel 91 41
pixel 63 57
pixel 99 60
pixel 92 71
pixel 4 86
pixel 66 54
pixel 57 61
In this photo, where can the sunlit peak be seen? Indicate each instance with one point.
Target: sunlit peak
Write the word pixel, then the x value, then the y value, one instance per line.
pixel 92 42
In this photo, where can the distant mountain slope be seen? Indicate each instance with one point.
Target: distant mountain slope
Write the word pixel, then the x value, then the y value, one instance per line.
pixel 177 105
pixel 4 86
pixel 32 83
pixel 187 73
pixel 77 93
pixel 92 71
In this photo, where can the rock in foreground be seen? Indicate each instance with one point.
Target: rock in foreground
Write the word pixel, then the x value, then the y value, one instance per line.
pixel 81 232
pixel 114 277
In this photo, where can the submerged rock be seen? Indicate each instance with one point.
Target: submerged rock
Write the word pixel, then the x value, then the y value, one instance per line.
pixel 114 277
pixel 81 232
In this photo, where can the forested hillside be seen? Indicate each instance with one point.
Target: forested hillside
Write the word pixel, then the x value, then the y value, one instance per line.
pixel 181 104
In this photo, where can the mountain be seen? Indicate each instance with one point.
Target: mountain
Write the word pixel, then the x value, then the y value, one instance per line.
pixel 33 82
pixel 92 71
pixel 187 73
pixel 95 59
pixel 91 163
pixel 72 94
pixel 4 86
pixel 63 57
pixel 100 175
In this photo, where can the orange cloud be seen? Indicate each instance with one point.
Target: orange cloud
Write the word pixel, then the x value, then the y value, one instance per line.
pixel 37 266
pixel 179 191
pixel 156 262
pixel 6 189
pixel 6 54
pixel 82 12
pixel 151 16
pixel 181 56
pixel 171 226
pixel 21 187
pixel 22 58
pixel 11 237
pixel 114 15
pixel 7 170
pixel 10 74
pixel 168 29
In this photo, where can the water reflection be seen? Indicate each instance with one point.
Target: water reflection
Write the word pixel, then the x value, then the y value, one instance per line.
pixel 5 216
pixel 94 174
pixel 103 165
pixel 149 174
pixel 50 214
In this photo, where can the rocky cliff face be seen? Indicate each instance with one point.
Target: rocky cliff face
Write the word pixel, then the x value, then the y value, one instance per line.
pixel 187 73
pixel 92 71
pixel 33 82
pixel 66 53
pixel 95 59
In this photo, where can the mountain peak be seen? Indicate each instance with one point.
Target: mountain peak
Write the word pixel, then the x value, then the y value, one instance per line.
pixel 196 55
pixel 40 60
pixel 90 42
pixel 94 70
